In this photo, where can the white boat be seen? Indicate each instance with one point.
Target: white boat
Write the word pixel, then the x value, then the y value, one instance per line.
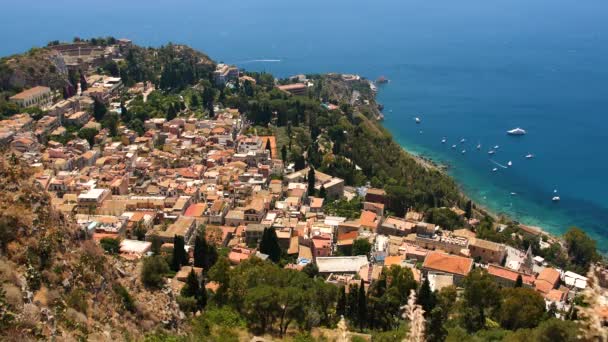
pixel 495 169
pixel 463 140
pixel 417 119
pixel 491 152
pixel 556 199
pixel 478 146
pixel 513 193
pixel 529 156
pixel 420 132
pixel 453 146
pixel 463 151
pixel 443 141
pixel 510 163
pixel 516 131
pixel 496 147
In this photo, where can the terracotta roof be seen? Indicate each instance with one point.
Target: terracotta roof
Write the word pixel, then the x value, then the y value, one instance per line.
pixel 393 260
pixel 547 279
pixel 348 236
pixel 368 219
pixel 448 263
pixel 30 92
pixel 196 210
pixel 555 295
pixel 505 273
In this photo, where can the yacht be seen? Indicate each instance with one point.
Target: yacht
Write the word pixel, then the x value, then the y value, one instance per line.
pixel 463 151
pixel 479 146
pixel 443 141
pixel 495 169
pixel 417 119
pixel 463 140
pixel 491 152
pixel 453 146
pixel 529 156
pixel 510 163
pixel 556 199
pixel 496 147
pixel 516 131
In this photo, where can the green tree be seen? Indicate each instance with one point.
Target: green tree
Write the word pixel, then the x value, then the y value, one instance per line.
pixel 200 249
pixel 270 244
pixel 435 325
pixel 140 231
pixel 352 302
pixel 341 306
pixel 284 153
pixel 426 298
pixel 556 330
pixel 110 245
pixel 519 281
pixel 311 181
pixel 153 270
pixel 99 110
pixel 581 248
pixel 521 308
pixel 468 210
pixel 481 298
pixel 444 217
pixel 179 253
pixel 311 269
pixel 322 192
pixel 220 273
pixel 361 306
pixel 156 244
pixel 193 288
pixel 88 134
pixel 361 247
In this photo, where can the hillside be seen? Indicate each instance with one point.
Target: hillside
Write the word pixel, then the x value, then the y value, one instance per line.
pixel 55 284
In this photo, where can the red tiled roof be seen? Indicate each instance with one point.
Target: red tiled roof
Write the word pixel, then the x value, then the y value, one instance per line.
pixel 448 263
pixel 546 280
pixel 511 275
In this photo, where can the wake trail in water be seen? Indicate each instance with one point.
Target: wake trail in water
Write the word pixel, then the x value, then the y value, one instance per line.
pixel 260 61
pixel 504 167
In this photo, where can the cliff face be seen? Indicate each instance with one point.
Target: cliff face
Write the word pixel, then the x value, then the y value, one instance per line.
pixel 52 283
pixel 37 67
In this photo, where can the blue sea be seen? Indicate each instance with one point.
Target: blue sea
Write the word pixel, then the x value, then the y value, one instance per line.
pixel 470 69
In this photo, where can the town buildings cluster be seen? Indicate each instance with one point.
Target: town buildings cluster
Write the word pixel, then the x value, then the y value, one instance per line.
pixel 187 172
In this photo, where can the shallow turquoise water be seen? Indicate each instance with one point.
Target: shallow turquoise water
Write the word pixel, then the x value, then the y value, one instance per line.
pixel 470 69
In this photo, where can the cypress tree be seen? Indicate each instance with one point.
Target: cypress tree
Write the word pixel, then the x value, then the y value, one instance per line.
pixel 179 253
pixel 311 181
pixel 361 306
pixel 200 249
pixel 270 244
pixel 426 298
pixel 284 153
pixel 519 282
pixel 210 257
pixel 341 305
pixel 352 302
pixel 83 82
pixel 322 192
pixel 468 210
pixel 269 148
pixel 192 287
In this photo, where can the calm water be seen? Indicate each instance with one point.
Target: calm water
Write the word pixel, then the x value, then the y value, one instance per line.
pixel 470 69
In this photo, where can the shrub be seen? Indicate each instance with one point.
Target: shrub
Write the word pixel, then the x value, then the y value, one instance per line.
pixel 153 271
pixel 77 300
pixel 187 304
pixel 125 297
pixel 111 246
